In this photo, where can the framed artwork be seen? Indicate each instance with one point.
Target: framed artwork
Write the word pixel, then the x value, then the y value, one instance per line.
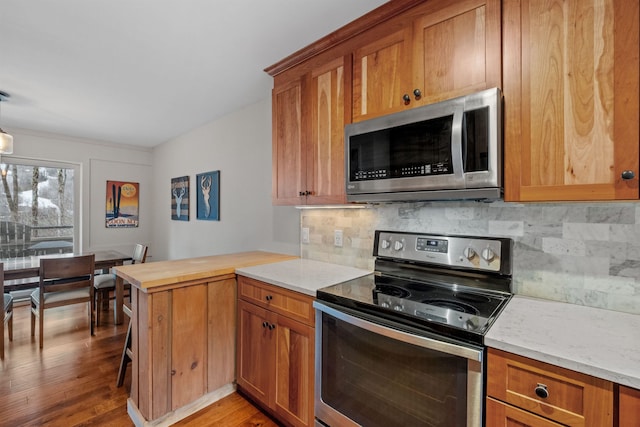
pixel 208 191
pixel 180 198
pixel 122 204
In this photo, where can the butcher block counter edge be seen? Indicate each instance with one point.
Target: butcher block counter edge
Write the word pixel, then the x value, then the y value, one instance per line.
pixel 152 276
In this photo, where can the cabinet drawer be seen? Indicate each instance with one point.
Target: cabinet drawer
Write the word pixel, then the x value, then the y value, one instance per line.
pixel 282 301
pixel 572 398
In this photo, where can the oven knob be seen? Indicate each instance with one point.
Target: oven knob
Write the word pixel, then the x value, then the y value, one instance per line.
pixel 398 307
pixel 385 244
pixel 398 245
pixel 488 255
pixel 469 253
pixel 384 304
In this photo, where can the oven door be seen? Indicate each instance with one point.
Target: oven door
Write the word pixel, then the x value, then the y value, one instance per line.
pixel 369 374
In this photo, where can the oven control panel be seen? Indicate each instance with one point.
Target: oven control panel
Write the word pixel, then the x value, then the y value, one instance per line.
pixel 470 252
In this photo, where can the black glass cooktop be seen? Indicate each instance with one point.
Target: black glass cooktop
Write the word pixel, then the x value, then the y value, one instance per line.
pixel 443 307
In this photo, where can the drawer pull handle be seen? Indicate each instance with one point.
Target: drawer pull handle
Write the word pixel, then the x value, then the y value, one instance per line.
pixel 541 391
pixel 268 297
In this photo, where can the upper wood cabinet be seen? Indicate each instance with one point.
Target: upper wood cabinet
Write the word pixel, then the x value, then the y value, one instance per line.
pixel 439 50
pixel 308 134
pixel 570 85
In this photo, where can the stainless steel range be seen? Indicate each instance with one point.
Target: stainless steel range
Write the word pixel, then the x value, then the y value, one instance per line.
pixel 404 345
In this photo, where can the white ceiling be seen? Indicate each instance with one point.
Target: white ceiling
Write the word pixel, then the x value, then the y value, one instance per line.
pixel 141 72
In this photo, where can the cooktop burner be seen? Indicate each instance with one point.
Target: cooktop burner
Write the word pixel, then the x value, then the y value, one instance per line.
pixel 448 285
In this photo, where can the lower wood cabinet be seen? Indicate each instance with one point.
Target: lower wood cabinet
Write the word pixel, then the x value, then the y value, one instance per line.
pixel 629 407
pixel 275 354
pixel 183 346
pixel 525 392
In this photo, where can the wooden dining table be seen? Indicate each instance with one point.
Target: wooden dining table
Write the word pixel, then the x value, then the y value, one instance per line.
pixel 29 268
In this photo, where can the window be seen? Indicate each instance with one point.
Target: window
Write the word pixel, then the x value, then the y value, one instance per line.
pixel 38 207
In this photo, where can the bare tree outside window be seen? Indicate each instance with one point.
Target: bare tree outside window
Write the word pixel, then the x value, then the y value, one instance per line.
pixel 37 209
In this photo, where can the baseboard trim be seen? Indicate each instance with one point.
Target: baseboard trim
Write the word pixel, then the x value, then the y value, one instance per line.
pixel 180 413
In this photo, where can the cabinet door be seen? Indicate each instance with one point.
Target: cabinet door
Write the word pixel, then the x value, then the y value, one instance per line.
pixel 381 73
pixel 456 49
pixel 502 415
pixel 295 372
pixel 325 153
pixel 629 415
pixel 570 74
pixel 289 157
pixel 255 351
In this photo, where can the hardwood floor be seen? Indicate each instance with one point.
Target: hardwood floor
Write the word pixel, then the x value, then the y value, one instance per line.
pixel 72 381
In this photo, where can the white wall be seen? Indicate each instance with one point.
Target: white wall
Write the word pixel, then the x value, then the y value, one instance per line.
pixel 98 163
pixel 239 146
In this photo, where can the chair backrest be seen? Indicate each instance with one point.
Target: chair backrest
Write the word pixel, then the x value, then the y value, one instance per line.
pixel 139 254
pixel 66 273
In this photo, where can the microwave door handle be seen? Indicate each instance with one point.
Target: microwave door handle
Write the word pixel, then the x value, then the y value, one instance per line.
pixel 456 146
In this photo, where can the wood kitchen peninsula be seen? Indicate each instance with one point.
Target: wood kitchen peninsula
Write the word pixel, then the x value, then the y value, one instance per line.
pixel 183 333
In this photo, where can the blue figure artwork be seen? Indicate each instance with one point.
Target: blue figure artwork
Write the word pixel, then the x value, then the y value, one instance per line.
pixel 208 185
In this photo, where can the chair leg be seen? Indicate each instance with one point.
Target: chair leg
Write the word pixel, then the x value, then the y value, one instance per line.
pixel 98 305
pixel 2 343
pixel 10 323
pixel 91 321
pixel 124 361
pixel 33 319
pixel 41 324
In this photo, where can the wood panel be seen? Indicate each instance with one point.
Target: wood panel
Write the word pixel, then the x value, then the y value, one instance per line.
pixel 571 99
pixel 573 398
pixel 159 350
pixel 325 151
pixel 143 359
pixel 255 353
pixel 289 157
pixel 189 332
pixel 456 49
pixel 381 74
pixel 629 407
pixel 222 333
pixel 294 386
pixel 502 415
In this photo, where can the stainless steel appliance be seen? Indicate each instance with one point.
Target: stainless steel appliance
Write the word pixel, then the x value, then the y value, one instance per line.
pixel 403 346
pixel 448 150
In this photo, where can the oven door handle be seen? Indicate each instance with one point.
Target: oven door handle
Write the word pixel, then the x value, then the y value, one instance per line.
pixel 425 342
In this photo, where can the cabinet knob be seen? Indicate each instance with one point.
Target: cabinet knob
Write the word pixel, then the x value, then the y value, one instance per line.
pixel 264 324
pixel 268 297
pixel 417 94
pixel 406 98
pixel 628 175
pixel 308 193
pixel 541 391
pixel 301 193
pixel 272 327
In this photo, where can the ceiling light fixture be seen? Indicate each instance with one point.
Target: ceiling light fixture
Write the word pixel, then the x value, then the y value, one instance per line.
pixel 6 140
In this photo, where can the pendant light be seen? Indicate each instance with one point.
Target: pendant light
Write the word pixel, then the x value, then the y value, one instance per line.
pixel 6 140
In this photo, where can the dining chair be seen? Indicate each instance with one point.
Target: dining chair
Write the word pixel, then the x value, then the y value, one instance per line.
pixel 7 312
pixel 63 281
pixel 106 283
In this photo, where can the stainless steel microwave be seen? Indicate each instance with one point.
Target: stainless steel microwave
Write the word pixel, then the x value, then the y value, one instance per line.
pixel 449 150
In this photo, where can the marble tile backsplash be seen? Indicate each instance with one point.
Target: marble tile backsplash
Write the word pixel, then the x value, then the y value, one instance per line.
pixel 580 253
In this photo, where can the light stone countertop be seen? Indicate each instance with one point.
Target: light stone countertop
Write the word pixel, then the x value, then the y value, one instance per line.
pixel 302 275
pixel 601 343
